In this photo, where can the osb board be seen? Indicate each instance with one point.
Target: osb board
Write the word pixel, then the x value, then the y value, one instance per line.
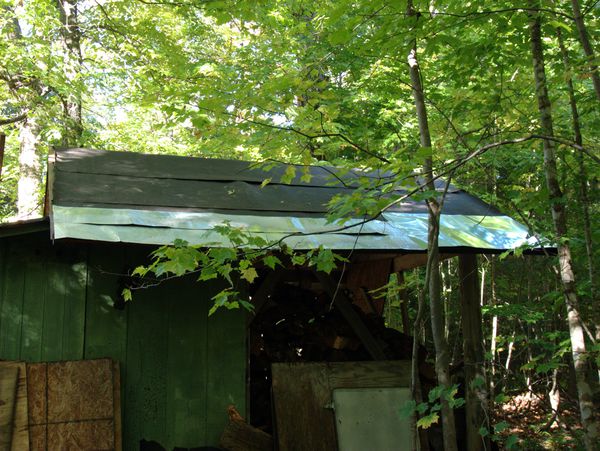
pixel 74 405
pixel 20 431
pixel 302 397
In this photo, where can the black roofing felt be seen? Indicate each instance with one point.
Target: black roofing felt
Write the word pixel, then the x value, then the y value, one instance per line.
pixel 84 177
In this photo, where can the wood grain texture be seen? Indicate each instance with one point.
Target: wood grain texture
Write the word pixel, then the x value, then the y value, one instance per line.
pixel 9 376
pixel 301 396
pixel 20 433
pixel 384 374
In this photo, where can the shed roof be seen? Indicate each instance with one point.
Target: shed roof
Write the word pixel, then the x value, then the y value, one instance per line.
pixel 155 199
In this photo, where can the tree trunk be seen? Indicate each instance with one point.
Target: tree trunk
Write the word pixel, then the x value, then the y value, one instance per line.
pixel 584 38
pixel 475 381
pixel 583 181
pixel 72 61
pixel 564 252
pixel 30 169
pixel 494 329
pixel 442 357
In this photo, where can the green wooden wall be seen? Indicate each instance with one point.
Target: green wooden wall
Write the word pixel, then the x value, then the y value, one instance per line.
pixel 180 369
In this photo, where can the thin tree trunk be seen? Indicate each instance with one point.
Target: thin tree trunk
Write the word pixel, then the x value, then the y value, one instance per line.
pixel 421 441
pixel 494 329
pixel 72 62
pixel 475 381
pixel 576 332
pixel 442 357
pixel 584 38
pixel 30 170
pixel 583 180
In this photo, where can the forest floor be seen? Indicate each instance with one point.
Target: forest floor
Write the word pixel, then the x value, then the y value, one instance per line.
pixel 529 418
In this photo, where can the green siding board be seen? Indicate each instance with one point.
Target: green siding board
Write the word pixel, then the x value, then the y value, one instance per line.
pixel 146 387
pixel 54 309
pixel 186 408
pixel 73 327
pixel 226 369
pixel 11 317
pixel 106 326
pixel 33 305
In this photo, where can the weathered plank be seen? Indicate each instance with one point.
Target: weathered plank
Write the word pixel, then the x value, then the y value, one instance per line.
pixel 380 374
pixel 20 433
pixel 147 355
pixel 302 407
pixel 187 365
pixel 54 308
pixel 105 325
pixel 226 366
pixel 73 327
pixel 9 376
pixel 11 317
pixel 79 189
pixel 33 305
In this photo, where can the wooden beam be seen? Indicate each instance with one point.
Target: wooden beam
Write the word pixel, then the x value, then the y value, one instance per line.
pixel 476 393
pixel 344 306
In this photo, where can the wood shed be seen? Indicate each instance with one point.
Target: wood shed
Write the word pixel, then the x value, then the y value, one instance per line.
pixel 178 370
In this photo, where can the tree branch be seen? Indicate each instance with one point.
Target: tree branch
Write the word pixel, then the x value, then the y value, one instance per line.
pixel 12 120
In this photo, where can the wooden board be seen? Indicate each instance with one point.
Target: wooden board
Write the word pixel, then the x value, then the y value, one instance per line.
pixel 302 397
pixel 72 405
pixel 14 422
pixel 8 398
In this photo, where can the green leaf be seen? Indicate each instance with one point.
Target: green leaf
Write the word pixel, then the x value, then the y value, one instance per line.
pixel 126 293
pixel 502 426
pixel 511 441
pixel 249 274
pixel 265 182
pixel 289 175
pixel 271 261
pixel 428 420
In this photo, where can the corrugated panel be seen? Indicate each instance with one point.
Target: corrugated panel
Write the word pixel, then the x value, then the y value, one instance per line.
pixel 395 231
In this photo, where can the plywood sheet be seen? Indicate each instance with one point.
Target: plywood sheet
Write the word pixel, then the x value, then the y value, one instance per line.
pixel 74 405
pixel 80 390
